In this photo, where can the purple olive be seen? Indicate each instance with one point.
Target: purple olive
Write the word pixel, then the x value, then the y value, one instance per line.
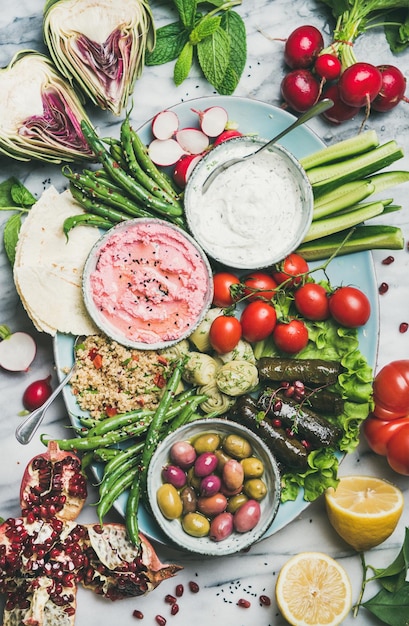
pixel 210 485
pixel 205 464
pixel 221 526
pixel 182 453
pixel 247 516
pixel 174 475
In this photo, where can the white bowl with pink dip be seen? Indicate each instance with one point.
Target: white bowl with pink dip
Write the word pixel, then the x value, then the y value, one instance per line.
pixel 147 284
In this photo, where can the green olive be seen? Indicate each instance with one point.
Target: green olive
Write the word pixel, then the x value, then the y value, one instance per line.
pixel 169 501
pixel 196 525
pixel 222 458
pixel 208 442
pixel 192 479
pixel 255 488
pixel 253 467
pixel 235 502
pixel 237 446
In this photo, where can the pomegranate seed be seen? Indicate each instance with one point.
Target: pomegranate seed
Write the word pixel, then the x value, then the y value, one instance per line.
pixel 179 590
pixel 403 327
pixel 245 604
pixel 383 288
pixel 265 600
pixel 138 614
pixel 193 586
pixel 276 423
pixel 170 599
pixel 388 260
pixel 174 609
pixel 159 619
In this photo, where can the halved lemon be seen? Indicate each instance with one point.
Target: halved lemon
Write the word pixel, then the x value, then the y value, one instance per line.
pixel 364 510
pixel 313 589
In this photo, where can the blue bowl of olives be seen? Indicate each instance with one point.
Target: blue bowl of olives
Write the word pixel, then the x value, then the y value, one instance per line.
pixel 213 487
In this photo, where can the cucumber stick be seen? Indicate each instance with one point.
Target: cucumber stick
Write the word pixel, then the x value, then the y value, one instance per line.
pixel 365 237
pixel 344 149
pixel 334 224
pixel 327 177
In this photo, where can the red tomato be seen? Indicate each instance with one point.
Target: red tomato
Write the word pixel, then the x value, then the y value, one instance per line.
pixel 259 285
pixel 398 451
pixel 291 337
pixel 378 432
pixel 350 307
pixel 222 281
pixel 391 390
pixel 258 320
pixel 292 266
pixel 225 333
pixel 311 300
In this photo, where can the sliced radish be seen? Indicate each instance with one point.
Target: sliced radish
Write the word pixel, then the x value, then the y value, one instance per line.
pixel 225 135
pixel 184 167
pixel 212 120
pixel 192 140
pixel 17 350
pixel 165 124
pixel 165 151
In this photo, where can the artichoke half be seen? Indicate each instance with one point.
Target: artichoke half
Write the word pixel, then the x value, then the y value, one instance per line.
pixel 100 45
pixel 40 113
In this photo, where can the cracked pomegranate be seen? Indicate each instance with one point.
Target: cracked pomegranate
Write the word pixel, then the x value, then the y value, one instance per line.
pixel 45 554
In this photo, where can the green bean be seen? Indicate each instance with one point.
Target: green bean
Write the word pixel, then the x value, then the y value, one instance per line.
pixel 123 179
pixel 146 163
pixel 123 483
pixel 91 443
pixel 108 480
pixel 186 413
pixel 137 171
pixel 152 436
pixel 119 459
pixel 98 189
pixel 85 219
pixel 131 512
pixel 93 207
pixel 106 454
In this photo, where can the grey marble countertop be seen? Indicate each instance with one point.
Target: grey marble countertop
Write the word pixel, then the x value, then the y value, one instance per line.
pixel 222 581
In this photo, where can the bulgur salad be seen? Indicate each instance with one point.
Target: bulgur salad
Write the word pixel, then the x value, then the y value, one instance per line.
pixel 110 378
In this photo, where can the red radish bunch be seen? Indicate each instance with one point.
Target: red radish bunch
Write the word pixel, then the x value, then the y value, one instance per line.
pixel 317 71
pixel 182 148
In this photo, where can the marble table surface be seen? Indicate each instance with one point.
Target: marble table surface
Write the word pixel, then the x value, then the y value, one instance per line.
pixel 222 581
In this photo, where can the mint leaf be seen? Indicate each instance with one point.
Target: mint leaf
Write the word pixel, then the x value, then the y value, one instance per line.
pixel 213 54
pixel 187 11
pixel 205 27
pixel 234 26
pixel 10 236
pixel 21 195
pixel 391 608
pixel 183 64
pixel 170 40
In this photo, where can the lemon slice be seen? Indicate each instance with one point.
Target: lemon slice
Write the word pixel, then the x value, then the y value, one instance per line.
pixel 312 589
pixel 364 510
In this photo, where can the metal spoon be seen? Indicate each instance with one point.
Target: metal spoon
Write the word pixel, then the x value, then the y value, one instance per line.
pixel 26 429
pixel 318 108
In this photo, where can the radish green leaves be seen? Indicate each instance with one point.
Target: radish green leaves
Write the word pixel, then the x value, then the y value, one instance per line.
pixel 216 40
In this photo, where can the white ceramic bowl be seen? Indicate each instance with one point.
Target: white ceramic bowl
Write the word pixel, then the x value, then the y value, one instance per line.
pixel 255 213
pixel 236 541
pixel 147 284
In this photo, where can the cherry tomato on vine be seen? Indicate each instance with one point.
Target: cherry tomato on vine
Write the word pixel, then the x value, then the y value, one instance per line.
pixel 225 333
pixel 290 268
pixel 259 285
pixel 391 390
pixel 290 337
pixel 258 320
pixel 311 300
pixel 398 451
pixel 222 281
pixel 350 307
pixel 378 432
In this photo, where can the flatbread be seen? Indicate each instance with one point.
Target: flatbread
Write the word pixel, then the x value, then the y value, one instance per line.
pixel 48 267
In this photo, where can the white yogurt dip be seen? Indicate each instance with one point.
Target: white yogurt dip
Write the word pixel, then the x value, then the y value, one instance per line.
pixel 255 212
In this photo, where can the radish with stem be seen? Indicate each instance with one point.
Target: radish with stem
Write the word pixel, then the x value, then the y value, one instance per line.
pixel 17 350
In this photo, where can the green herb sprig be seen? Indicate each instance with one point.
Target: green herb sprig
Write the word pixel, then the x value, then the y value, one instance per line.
pixel 391 603
pixel 14 196
pixel 215 39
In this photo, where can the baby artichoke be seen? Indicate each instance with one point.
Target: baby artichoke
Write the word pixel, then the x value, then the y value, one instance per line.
pixel 100 45
pixel 40 112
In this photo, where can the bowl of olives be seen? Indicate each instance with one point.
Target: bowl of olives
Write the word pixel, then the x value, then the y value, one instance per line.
pixel 213 487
